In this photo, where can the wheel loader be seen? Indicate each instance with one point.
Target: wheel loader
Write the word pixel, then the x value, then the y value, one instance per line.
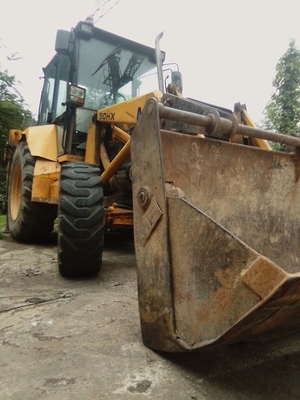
pixel 214 210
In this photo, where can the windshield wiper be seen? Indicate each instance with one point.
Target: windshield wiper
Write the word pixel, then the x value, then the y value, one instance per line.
pixel 116 50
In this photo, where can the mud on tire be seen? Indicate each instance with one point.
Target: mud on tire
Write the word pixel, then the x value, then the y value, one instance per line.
pixel 80 219
pixel 28 221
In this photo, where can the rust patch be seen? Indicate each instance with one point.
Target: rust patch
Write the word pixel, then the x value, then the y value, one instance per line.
pixel 263 276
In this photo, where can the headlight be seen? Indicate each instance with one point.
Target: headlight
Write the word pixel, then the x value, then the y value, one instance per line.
pixel 85 29
pixel 76 96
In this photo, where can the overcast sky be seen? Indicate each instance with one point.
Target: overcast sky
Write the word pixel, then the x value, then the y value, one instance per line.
pixel 227 50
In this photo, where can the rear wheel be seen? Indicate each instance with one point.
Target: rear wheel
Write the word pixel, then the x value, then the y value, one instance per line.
pixel 80 219
pixel 28 221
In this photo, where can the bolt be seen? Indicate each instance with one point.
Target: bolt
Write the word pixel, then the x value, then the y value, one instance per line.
pixel 150 108
pixel 144 196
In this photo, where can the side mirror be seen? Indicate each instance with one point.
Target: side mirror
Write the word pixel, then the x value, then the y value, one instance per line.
pixel 62 42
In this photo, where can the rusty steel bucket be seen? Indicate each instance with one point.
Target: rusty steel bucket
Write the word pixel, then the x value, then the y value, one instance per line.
pixel 216 228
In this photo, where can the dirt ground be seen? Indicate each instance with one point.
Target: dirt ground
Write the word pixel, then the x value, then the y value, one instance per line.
pixel 80 339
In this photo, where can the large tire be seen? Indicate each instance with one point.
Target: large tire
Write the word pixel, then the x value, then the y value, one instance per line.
pixel 28 221
pixel 80 220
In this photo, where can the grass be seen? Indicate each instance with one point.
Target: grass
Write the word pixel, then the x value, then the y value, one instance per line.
pixel 2 225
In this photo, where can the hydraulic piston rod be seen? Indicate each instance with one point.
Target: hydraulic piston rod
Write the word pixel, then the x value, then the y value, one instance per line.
pixel 227 127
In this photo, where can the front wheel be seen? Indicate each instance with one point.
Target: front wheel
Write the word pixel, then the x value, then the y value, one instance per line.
pixel 80 219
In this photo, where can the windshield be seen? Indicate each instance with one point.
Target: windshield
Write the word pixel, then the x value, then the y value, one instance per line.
pixel 112 74
pixel 111 68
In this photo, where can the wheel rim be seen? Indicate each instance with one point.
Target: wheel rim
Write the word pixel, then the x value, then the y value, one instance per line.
pixel 15 194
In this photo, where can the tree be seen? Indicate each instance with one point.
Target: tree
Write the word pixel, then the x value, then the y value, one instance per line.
pixel 13 115
pixel 282 113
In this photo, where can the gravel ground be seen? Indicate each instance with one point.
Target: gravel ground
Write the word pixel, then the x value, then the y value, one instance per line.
pixel 80 339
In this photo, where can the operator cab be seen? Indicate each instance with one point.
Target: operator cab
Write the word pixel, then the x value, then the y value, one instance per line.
pixel 108 67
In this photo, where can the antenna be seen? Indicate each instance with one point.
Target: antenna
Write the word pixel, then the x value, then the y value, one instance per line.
pixel 103 7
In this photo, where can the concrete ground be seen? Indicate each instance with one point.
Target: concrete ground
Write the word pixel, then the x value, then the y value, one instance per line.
pixel 67 339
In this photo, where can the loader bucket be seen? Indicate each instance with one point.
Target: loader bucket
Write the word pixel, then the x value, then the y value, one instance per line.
pixel 216 228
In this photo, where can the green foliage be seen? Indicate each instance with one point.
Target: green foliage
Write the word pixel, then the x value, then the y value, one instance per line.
pixel 13 115
pixel 2 225
pixel 282 114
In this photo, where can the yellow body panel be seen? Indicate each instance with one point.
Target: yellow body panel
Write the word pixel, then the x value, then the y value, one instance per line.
pixel 126 112
pixel 45 141
pixel 45 181
pixel 91 153
pixel 14 136
pixel 70 158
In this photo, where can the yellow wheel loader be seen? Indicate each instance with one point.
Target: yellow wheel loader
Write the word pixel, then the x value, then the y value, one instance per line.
pixel 215 212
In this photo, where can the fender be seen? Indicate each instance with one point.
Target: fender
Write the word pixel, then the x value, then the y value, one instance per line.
pixel 45 141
